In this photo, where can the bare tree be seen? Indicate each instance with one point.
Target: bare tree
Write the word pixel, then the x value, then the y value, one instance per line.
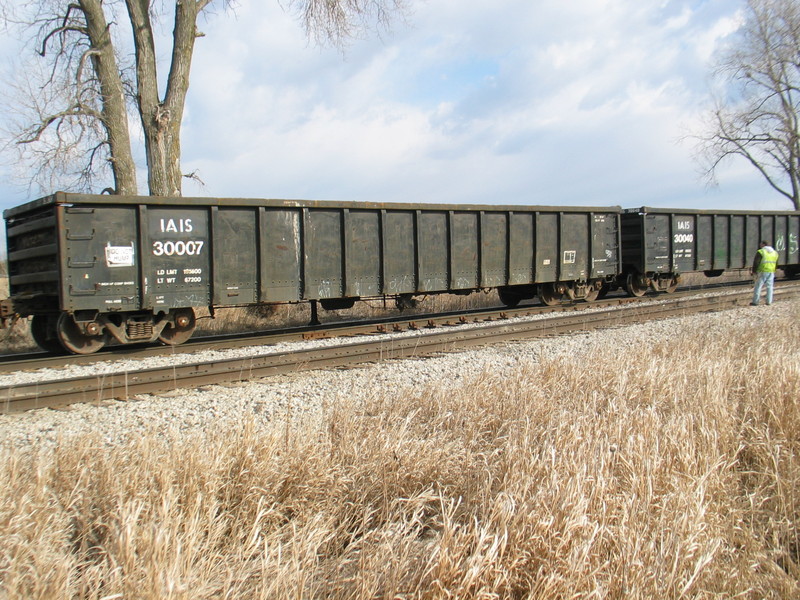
pixel 161 117
pixel 73 119
pixel 98 62
pixel 758 117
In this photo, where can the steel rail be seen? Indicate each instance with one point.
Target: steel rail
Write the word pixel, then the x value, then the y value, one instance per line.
pixel 99 388
pixel 402 322
pixel 11 363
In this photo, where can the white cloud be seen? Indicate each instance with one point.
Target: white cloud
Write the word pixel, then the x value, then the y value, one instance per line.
pixel 491 101
pixel 707 41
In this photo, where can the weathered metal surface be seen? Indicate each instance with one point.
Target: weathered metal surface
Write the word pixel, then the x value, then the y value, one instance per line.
pixel 681 241
pixel 33 265
pixel 493 249
pixel 362 253
pixel 281 263
pixel 97 258
pixel 116 254
pixel 236 255
pixel 524 250
pixel 605 245
pixel 431 242
pixel 547 249
pixel 322 253
pixel 175 251
pixel 399 252
pixel 69 198
pixel 464 239
pixel 140 253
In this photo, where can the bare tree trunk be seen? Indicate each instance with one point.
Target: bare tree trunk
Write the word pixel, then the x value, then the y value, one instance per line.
pixel 84 113
pixel 114 115
pixel 760 121
pixel 161 120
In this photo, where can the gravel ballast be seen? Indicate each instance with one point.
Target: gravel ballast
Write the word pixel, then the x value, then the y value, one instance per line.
pixel 307 395
pixel 165 360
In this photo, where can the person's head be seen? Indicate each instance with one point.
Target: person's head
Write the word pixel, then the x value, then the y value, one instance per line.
pixel 762 244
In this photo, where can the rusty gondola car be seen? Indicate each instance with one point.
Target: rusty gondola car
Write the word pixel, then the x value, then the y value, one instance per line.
pixel 89 268
pixel 660 244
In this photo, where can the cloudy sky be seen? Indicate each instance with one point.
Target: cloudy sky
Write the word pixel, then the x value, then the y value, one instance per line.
pixel 554 102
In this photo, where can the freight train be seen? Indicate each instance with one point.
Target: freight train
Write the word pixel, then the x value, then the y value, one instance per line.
pixel 87 269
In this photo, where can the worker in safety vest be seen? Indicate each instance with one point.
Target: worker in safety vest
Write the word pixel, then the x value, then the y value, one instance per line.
pixel 764 263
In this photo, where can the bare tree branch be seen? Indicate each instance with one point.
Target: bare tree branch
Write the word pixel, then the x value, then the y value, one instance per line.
pixel 67 25
pixel 759 119
pixel 74 105
pixel 336 22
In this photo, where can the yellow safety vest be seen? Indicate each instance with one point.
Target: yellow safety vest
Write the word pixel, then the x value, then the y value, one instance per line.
pixel 769 260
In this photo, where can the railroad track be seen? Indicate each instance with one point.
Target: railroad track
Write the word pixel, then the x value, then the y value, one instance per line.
pixel 10 363
pixel 98 388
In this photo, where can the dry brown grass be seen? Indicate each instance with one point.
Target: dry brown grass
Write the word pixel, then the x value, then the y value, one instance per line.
pixel 17 338
pixel 675 476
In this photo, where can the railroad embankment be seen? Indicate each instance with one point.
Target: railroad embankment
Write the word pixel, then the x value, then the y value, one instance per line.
pixel 659 460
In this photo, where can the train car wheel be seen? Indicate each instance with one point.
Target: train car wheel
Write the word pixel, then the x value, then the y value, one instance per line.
pixel 181 330
pixel 43 332
pixel 592 294
pixel 636 285
pixel 508 298
pixel 672 286
pixel 75 340
pixel 549 295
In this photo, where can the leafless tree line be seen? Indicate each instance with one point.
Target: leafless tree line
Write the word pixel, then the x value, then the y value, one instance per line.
pixel 96 64
pixel 757 117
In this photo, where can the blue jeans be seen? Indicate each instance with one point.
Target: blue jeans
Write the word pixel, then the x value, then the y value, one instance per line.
pixel 761 279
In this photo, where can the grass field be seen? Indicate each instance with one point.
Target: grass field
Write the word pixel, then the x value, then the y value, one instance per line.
pixel 666 469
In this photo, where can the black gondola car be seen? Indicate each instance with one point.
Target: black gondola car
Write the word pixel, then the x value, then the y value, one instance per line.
pixel 659 244
pixel 135 268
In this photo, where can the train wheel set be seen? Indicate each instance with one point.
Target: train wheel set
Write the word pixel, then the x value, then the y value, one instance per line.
pixel 88 270
pixel 57 332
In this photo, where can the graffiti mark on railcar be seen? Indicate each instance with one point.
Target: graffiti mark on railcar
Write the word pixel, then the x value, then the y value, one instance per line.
pixel 401 284
pixel 324 288
pixel 780 243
